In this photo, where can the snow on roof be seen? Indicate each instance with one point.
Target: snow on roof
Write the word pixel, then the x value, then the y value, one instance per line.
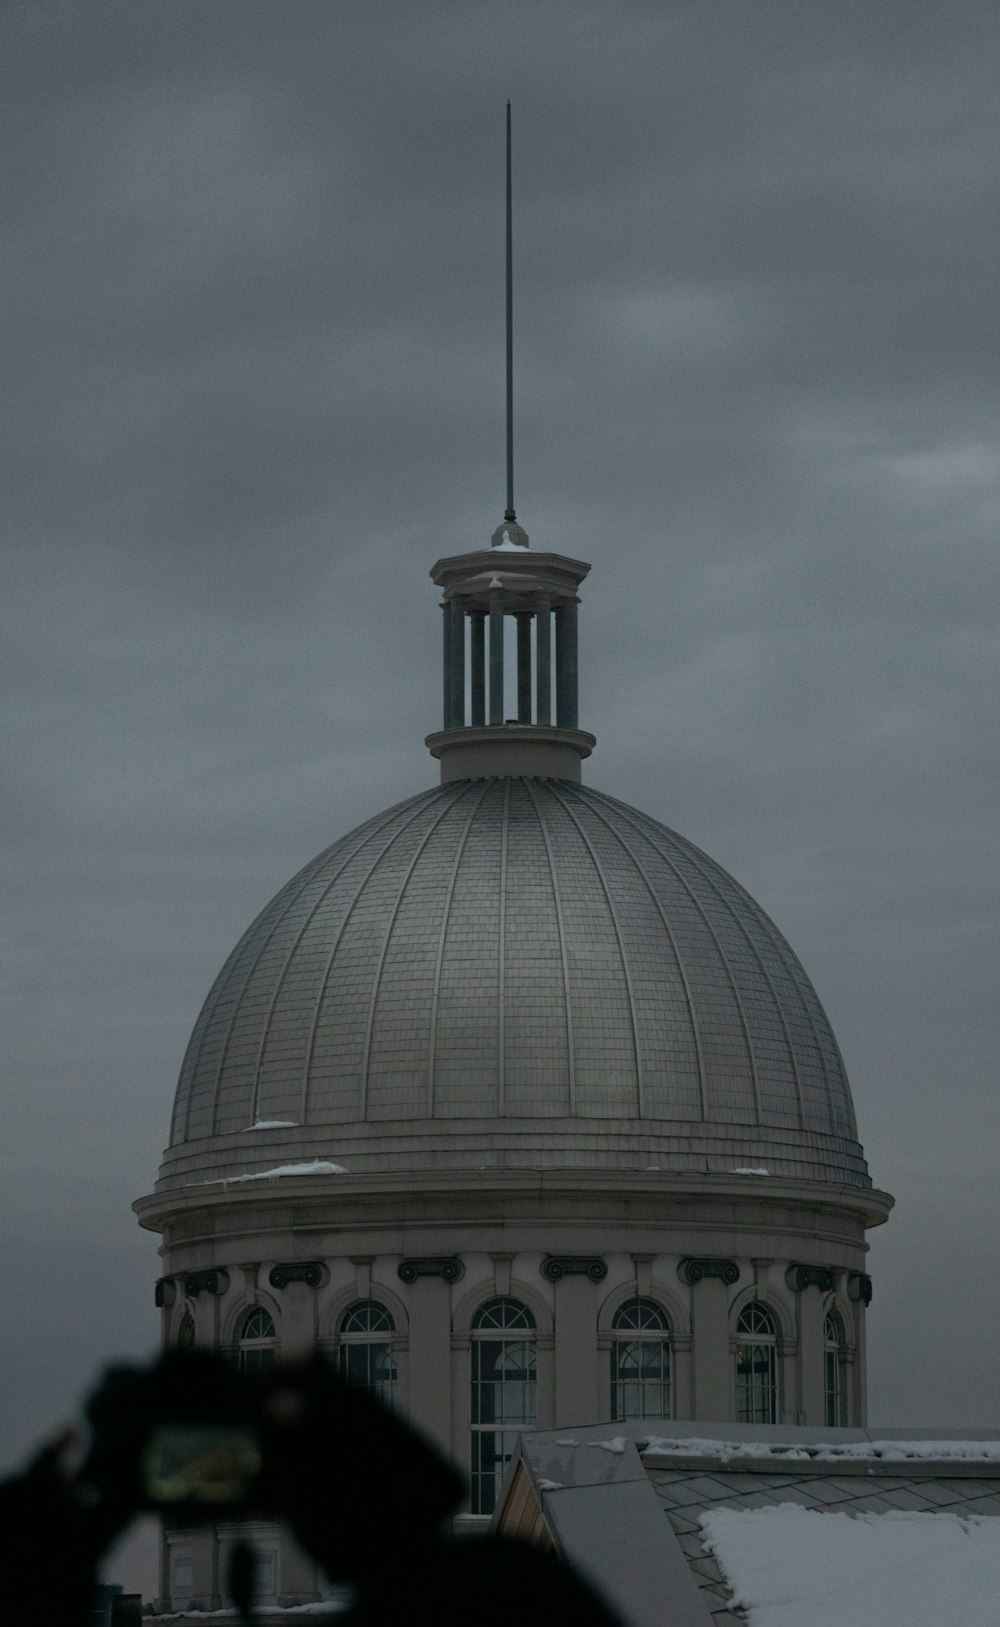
pixel 263 1612
pixel 272 1124
pixel 938 1451
pixel 795 1567
pixel 315 1166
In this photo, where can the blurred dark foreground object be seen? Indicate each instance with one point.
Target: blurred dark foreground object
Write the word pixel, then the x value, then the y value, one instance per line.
pixel 366 1497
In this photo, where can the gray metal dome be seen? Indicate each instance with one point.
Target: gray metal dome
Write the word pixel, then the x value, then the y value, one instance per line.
pixel 514 973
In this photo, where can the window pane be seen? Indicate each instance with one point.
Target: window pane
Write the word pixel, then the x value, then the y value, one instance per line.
pixel 503 1382
pixel 503 1393
pixel 257 1343
pixel 832 1372
pixel 257 1324
pixel 756 1384
pixel 640 1378
pixel 833 1389
pixel 755 1318
pixel 503 1313
pixel 255 1358
pixel 368 1317
pixel 370 1365
pixel 642 1314
pixel 491 1452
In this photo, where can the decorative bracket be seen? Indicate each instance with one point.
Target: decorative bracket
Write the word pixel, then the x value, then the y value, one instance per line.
pixel 693 1270
pixel 799 1277
pixel 859 1286
pixel 447 1266
pixel 165 1292
pixel 205 1282
pixel 311 1272
pixel 556 1266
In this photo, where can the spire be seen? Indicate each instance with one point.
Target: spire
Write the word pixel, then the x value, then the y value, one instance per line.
pixel 509 513
pixel 510 534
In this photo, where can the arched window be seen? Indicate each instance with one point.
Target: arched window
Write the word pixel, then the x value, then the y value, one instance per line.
pixel 833 1355
pixel 640 1361
pixel 366 1357
pixel 185 1333
pixel 756 1365
pixel 503 1392
pixel 257 1341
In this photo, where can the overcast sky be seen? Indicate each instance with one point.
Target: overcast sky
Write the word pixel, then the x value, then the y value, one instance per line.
pixel 252 282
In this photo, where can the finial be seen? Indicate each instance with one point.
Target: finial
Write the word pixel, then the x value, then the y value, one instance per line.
pixel 510 534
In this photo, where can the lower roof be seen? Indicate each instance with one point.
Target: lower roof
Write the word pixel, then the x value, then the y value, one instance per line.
pixel 634 1504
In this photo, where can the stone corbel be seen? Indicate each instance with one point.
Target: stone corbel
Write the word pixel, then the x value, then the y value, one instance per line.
pixel 799 1277
pixel 693 1269
pixel 556 1266
pixel 165 1292
pixel 859 1287
pixel 447 1266
pixel 206 1282
pixel 312 1272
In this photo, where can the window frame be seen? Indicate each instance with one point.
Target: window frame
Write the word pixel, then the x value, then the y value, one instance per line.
pixel 834 1375
pixel 383 1387
pixel 632 1341
pixel 255 1352
pixel 763 1342
pixel 503 1330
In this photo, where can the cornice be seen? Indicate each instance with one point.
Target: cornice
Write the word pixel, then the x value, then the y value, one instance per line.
pixel 430 1196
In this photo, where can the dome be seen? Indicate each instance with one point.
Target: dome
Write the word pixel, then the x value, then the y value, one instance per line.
pixel 513 972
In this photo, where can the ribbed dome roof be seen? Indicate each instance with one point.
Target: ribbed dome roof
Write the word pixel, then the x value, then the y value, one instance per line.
pixel 516 973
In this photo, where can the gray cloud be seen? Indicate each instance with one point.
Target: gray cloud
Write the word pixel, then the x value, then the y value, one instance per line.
pixel 252 286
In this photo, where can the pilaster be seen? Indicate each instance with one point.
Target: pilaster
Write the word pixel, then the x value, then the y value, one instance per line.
pixel 709 1282
pixel 576 1381
pixel 810 1369
pixel 429 1305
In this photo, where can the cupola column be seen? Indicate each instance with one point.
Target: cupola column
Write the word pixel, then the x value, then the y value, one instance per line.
pixel 543 662
pixel 496 657
pixel 523 619
pixel 477 639
pixel 456 663
pixel 566 666
pixel 446 644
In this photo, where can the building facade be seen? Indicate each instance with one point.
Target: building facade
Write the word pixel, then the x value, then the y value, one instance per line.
pixel 517 1104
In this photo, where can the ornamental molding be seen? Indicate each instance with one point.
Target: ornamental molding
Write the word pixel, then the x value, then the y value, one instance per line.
pixel 556 1266
pixel 165 1292
pixel 311 1272
pixel 205 1282
pixel 859 1287
pixel 446 1266
pixel 799 1277
pixel 694 1269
